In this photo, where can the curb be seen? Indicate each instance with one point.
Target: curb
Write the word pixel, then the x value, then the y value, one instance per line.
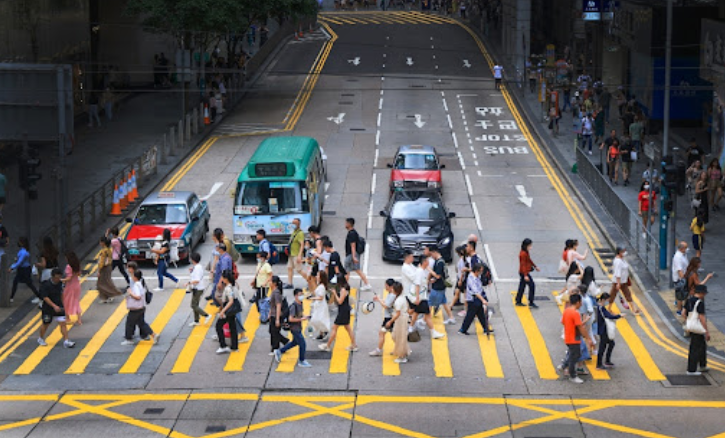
pixel 656 302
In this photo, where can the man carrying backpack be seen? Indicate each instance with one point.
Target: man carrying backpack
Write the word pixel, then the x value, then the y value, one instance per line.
pixel 267 246
pixel 354 247
pixel 225 263
pixel 438 274
pixel 119 253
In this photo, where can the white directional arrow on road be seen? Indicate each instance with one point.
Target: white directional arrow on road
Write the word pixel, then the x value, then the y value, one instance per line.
pixel 213 190
pixel 466 63
pixel 355 61
pixel 409 61
pixel 418 122
pixel 339 119
pixel 522 196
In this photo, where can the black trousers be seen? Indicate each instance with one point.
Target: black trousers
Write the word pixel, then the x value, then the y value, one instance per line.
pixel 121 268
pixel 25 276
pixel 475 310
pixel 233 336
pixel 698 352
pixel 606 346
pixel 135 319
pixel 575 353
pixel 522 285
pixel 276 334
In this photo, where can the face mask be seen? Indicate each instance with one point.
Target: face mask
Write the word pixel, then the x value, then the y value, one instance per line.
pixel 646 187
pixel 624 254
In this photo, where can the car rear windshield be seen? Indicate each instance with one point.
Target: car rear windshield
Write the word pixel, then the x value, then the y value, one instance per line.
pixel 157 214
pixel 416 162
pixel 420 209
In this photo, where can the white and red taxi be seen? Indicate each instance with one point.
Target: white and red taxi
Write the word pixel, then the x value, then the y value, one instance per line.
pixel 416 168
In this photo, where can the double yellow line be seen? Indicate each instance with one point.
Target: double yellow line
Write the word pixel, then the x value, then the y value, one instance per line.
pixel 649 326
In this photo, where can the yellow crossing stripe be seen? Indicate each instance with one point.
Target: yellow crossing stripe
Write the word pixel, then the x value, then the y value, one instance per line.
pixel 644 359
pixel 86 355
pixel 340 355
pixel 591 365
pixel 489 353
pixel 390 368
pixel 353 18
pixel 537 345
pixel 193 343
pixel 238 358
pixel 41 353
pixel 290 359
pixel 439 348
pixel 143 348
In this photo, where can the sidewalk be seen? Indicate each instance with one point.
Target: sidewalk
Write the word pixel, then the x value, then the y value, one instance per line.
pixel 563 147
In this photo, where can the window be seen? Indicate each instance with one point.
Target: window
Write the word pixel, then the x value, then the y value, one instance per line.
pixel 159 214
pixel 421 209
pixel 416 162
pixel 271 197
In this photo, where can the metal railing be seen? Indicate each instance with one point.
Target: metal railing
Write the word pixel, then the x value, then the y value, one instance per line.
pixel 639 238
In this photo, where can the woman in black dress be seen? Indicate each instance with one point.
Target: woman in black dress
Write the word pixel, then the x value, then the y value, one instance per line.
pixel 341 297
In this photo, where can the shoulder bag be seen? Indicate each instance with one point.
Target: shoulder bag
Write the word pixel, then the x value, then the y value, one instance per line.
pixel 693 324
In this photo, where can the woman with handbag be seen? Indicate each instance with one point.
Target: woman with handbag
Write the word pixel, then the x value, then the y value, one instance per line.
pixel 399 324
pixel 320 315
pixel 136 305
pixel 696 325
pixel 72 289
pixel 606 329
pixel 106 289
pixel 692 277
pixel 342 299
pixel 227 314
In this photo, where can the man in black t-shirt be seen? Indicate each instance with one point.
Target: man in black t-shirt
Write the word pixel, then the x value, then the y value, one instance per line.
pixel 334 267
pixel 352 253
pixel 438 285
pixel 698 342
pixel 51 292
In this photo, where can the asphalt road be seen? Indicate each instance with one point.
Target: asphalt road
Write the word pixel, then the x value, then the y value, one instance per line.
pixel 380 73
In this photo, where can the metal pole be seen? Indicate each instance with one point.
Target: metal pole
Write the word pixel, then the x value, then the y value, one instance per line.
pixel 26 155
pixel 664 241
pixel 62 133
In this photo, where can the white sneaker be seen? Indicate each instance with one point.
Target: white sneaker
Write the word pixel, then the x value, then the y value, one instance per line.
pixel 401 360
pixel 304 364
pixel 244 340
pixel 576 380
pixel 450 321
pixel 421 325
pixel 214 337
pixel 127 342
pixel 193 324
pixel 366 287
pixel 68 344
pixel 42 342
pixel 207 319
pixel 462 313
pixel 158 289
pixel 436 334
pixel 323 347
pixel 109 301
pixel 375 353
pixel 224 350
pixel 35 300
pixel 695 373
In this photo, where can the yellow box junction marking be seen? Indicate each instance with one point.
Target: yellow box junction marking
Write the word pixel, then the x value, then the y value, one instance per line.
pixel 537 345
pixel 193 342
pixel 86 355
pixel 340 355
pixel 143 348
pixel 439 348
pixel 238 358
pixel 290 358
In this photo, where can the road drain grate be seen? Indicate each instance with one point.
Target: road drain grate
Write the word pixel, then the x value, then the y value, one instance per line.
pixel 358 129
pixel 541 298
pixel 215 429
pixel 154 411
pixel 329 213
pixel 417 86
pixel 317 355
pixel 685 380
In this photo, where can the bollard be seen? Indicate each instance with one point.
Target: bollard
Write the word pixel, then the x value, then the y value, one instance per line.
pixel 5 280
pixel 181 134
pixel 172 142
pixel 195 121
pixel 188 127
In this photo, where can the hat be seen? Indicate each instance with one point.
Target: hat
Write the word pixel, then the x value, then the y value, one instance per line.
pixel 367 306
pixel 619 249
pixel 700 289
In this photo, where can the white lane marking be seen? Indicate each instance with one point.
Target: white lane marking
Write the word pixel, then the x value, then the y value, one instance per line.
pixel 465 123
pixel 479 173
pixel 377 138
pixel 385 55
pixel 466 95
pixel 375 163
pixel 495 94
pixel 460 159
pixel 455 139
pixel 418 121
pixel 370 215
pixel 466 127
pixel 327 186
pixel 372 185
pixel 475 157
pixel 468 185
pixel 380 115
pixel 450 122
pixel 472 148
pixel 383 65
pixel 436 67
pixel 494 274
pixel 382 92
pixel 355 61
pixel 493 176
pixel 339 119
pixel 475 214
pixel 365 262
pixel 382 78
pixel 466 63
pixel 445 105
pixel 409 62
pixel 329 37
pixel 443 94
pixel 522 196
pixel 380 104
pixel 213 190
pixel 434 57
pixel 475 162
pixel 432 47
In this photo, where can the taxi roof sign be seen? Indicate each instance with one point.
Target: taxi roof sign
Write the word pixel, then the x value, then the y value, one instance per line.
pixel 167 195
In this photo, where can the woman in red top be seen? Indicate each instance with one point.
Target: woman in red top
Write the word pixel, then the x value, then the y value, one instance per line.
pixel 647 206
pixel 526 267
pixel 613 157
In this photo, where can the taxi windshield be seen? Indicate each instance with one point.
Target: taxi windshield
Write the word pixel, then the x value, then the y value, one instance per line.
pixel 158 214
pixel 416 162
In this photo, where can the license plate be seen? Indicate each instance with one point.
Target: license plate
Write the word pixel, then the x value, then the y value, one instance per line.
pixel 417 253
pixel 133 252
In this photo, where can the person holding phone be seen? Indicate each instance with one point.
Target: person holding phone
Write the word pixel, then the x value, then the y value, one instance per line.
pixel 296 316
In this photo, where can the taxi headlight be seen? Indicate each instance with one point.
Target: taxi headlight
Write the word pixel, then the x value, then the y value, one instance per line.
pixel 434 184
pixel 399 184
pixel 131 244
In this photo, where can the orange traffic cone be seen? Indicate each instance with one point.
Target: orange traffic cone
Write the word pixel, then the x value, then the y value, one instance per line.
pixel 297 37
pixel 134 187
pixel 131 189
pixel 207 121
pixel 116 207
pixel 123 195
pixel 301 34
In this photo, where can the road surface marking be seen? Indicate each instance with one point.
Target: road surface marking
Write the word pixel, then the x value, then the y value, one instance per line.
pixel 489 353
pixel 528 201
pixel 537 345
pixel 191 347
pixel 291 357
pixel 94 345
pixel 491 264
pixel 238 358
pixel 143 348
pixel 439 348
pixel 213 190
pixel 468 185
pixel 337 119
pixel 340 355
pixel 478 218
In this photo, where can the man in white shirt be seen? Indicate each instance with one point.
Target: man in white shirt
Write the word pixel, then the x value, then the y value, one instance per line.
pixel 420 302
pixel 498 75
pixel 679 267
pixel 197 284
pixel 407 273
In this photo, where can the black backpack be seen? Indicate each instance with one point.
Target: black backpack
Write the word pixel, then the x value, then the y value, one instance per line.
pixel 124 251
pixel 360 247
pixel 486 275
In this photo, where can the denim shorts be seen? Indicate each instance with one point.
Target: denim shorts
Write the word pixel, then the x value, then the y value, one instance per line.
pixel 437 297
